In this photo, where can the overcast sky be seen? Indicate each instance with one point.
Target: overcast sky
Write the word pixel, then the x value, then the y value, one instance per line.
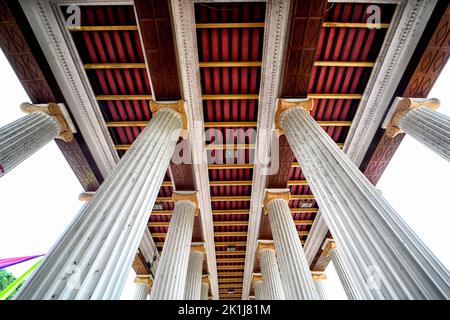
pixel 39 198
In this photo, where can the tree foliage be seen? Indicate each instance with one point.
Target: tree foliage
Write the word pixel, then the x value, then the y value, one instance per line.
pixel 5 279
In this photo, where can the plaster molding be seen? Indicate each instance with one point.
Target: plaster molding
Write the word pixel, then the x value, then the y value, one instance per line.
pixel 45 19
pixel 275 31
pixel 186 45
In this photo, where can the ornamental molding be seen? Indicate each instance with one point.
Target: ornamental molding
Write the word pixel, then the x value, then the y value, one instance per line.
pixel 186 45
pixel 275 31
pixel 46 20
pixel 401 107
pixel 407 27
pixel 56 112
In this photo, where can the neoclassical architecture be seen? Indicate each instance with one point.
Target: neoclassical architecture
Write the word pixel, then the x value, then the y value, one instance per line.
pixel 229 150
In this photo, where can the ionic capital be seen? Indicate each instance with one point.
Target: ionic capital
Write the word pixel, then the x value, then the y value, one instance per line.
pixel 198 247
pixel 205 279
pixel 177 106
pixel 144 280
pixel 264 245
pixel 405 105
pixel 318 275
pixel 53 110
pixel 328 245
pixel 255 278
pixel 186 196
pixel 287 104
pixel 272 194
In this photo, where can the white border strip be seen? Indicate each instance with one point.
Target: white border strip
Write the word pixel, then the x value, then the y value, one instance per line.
pixel 275 31
pixel 186 45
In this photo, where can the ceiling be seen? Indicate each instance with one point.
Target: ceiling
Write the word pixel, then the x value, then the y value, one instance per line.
pixel 230 41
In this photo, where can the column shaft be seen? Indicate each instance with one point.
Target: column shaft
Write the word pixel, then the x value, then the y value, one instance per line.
pixel 271 275
pixel 194 276
pixel 293 265
pixel 320 289
pixel 170 279
pixel 141 292
pixel 343 276
pixel 430 127
pixel 379 251
pixel 92 258
pixel 23 137
pixel 259 290
pixel 205 291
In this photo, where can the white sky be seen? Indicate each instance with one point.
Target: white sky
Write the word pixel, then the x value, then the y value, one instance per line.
pixel 39 198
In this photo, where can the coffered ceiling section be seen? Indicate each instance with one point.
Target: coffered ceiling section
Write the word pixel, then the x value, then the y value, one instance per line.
pixel 230 45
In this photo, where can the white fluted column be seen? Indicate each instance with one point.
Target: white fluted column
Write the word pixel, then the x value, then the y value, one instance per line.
pixel 294 268
pixel 23 137
pixel 170 278
pixel 143 286
pixel 193 287
pixel 272 285
pixel 419 119
pixel 319 277
pixel 205 287
pixel 91 260
pixel 257 282
pixel 382 255
pixel 330 249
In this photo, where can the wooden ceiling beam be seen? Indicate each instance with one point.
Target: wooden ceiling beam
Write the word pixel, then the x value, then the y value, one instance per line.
pixel 109 97
pixel 355 25
pixel 229 273
pixel 230 97
pixel 230 183
pixel 165 224
pixel 222 64
pixel 230 198
pixel 362 64
pixel 231 211
pixel 231 280
pixel 226 253
pixel 230 223
pixel 230 243
pixel 114 66
pixel 230 234
pixel 238 146
pixel 231 166
pixel 104 28
pixel 222 260
pixel 230 267
pixel 230 25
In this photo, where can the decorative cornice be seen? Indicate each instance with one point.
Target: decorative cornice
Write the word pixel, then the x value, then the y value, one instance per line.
pixel 46 20
pixel 405 105
pixel 177 106
pixel 186 45
pixel 275 31
pixel 272 194
pixel 406 28
pixel 287 104
pixel 53 110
